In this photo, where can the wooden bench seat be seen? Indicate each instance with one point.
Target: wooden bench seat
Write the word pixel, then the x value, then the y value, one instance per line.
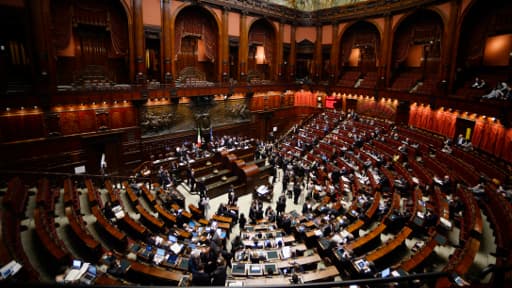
pixel 139 230
pixel 51 243
pixel 77 226
pixel 165 215
pixel 105 224
pixel 149 219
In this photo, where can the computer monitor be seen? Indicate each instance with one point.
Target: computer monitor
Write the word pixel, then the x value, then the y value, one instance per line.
pixel 255 269
pixel 6 273
pixel 270 268
pixel 238 269
pixel 184 263
pixel 135 248
pixel 221 233
pixel 149 248
pixel 418 221
pixel 440 239
pixel 77 264
pixel 92 270
pixel 192 224
pixel 172 238
pixel 272 255
pixel 172 259
pixel 361 264
pixel 160 252
pixel 385 273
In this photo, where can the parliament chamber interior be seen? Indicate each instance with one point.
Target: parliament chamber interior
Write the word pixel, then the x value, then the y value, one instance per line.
pixel 342 143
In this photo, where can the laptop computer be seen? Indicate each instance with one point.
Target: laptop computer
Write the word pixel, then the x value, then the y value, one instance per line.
pixel 90 275
pixel 77 264
pixel 385 273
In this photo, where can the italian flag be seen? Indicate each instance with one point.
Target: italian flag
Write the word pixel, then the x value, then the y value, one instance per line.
pixel 198 137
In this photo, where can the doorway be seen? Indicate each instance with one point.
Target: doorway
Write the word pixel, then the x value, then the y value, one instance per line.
pixel 103 154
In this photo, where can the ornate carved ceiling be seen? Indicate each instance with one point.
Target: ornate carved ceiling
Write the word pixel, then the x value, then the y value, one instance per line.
pixel 313 5
pixel 316 12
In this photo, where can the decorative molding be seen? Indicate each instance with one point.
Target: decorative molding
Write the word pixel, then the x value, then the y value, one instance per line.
pixel 344 13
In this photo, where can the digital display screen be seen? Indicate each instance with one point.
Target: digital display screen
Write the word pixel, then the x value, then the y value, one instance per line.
pixel 77 264
pixel 160 252
pixel 92 270
pixel 272 255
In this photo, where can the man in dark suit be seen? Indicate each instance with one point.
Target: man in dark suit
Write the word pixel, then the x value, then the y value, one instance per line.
pixel 200 278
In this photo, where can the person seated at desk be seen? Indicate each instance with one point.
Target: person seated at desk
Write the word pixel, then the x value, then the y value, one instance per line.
pixel 430 218
pixel 345 254
pixel 107 211
pixel 256 257
pixel 257 244
pixel 479 83
pixel 478 189
pixel 417 246
pixel 116 268
pixel 237 244
pixel 295 279
pixel 447 149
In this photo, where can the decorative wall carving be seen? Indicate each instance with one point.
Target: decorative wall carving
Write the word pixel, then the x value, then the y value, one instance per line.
pixel 102 119
pixel 164 119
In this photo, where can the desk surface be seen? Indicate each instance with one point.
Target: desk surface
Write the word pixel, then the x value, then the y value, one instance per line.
pixel 470 249
pixel 103 222
pixel 148 217
pixel 328 272
pixel 421 255
pixel 163 213
pixel 367 238
pixel 299 260
pixel 355 226
pixel 260 281
pixel 80 231
pixel 136 226
pixel 155 272
pixel 131 194
pixel 221 218
pixel 390 245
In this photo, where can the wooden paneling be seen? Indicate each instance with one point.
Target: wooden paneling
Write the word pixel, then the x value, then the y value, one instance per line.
pixel 69 123
pixel 122 117
pixel 21 127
